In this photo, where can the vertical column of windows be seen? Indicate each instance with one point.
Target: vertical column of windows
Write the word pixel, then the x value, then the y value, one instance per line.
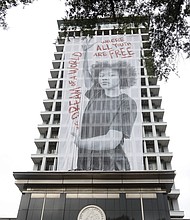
pixel 49 147
pixel 52 143
pixel 150 161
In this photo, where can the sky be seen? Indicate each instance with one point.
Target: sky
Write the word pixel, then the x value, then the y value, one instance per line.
pixel 26 54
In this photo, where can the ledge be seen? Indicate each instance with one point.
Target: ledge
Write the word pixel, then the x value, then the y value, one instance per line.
pixel 128 179
pixel 177 214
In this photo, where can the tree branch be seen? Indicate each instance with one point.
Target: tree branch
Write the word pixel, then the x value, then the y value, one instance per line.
pixel 113 9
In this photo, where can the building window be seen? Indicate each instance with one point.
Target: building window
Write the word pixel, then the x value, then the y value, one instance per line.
pixel 59 95
pixel 145 104
pixel 49 164
pixel 142 71
pixel 143 92
pixel 143 83
pixel 61 84
pixel 152 165
pixel 148 131
pixel 150 146
pixel 146 117
pixel 163 165
pixel 58 106
pixel 52 147
pixel 106 32
pixel 56 119
pixel 54 132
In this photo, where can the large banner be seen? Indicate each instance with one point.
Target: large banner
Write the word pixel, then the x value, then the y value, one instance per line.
pixel 101 125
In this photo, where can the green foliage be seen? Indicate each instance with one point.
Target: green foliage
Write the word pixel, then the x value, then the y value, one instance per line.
pixel 167 21
pixel 5 5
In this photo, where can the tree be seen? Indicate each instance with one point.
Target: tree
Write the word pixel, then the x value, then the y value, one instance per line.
pixel 167 21
pixel 5 5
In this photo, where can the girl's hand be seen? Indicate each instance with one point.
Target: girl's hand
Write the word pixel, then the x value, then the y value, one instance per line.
pixel 87 44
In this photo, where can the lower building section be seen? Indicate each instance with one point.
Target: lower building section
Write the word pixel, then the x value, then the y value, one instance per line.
pixel 94 195
pixel 85 206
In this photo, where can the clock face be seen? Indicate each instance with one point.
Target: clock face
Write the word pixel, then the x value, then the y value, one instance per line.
pixel 91 212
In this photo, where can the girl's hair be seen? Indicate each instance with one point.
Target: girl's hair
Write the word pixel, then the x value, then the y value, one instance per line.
pixel 127 73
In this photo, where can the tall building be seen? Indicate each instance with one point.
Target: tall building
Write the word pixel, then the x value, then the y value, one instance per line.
pixel 101 85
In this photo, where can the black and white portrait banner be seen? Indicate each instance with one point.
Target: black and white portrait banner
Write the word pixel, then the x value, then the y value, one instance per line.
pixel 101 125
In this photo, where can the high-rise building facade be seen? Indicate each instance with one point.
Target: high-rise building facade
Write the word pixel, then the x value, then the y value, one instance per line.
pixel 102 151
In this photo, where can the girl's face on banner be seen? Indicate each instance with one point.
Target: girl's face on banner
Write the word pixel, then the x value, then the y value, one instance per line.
pixel 109 79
